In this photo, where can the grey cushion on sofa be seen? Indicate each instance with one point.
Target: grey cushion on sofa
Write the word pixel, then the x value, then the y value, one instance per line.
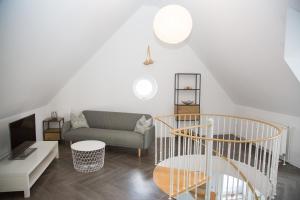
pixel 113 128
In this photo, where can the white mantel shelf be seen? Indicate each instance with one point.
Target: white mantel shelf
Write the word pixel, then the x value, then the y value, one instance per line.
pixel 20 175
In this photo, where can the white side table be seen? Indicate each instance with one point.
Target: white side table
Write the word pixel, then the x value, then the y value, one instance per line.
pixel 88 155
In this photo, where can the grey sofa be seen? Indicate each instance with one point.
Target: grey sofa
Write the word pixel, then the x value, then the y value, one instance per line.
pixel 113 128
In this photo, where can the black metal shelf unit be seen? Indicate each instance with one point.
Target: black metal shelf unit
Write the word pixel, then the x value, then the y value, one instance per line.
pixel 181 91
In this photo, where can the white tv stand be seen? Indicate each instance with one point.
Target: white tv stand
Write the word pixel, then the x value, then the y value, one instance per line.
pixel 20 175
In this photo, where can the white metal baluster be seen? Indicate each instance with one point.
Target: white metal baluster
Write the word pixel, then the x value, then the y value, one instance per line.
pixel 251 143
pixel 223 132
pixel 178 169
pixel 227 182
pixel 208 152
pixel 218 135
pixel 261 144
pixel 188 162
pixel 274 160
pixel 237 184
pixel 197 156
pixel 160 142
pixel 170 166
pixel 169 138
pixel 183 157
pixel 165 142
pixel 235 132
pixel 200 142
pixel 245 144
pixel 229 143
pixel 173 163
pixel 277 161
pixel 232 187
pixel 189 150
pixel 273 166
pixel 240 147
pixel 156 129
pixel 265 150
pixel 256 146
pixel 269 154
pixel 244 188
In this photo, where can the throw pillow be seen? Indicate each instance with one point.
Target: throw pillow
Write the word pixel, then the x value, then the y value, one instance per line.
pixel 143 125
pixel 78 121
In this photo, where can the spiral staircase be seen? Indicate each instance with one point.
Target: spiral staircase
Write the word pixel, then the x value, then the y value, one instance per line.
pixel 216 157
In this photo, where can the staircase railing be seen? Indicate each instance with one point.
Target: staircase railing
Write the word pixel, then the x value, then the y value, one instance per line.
pixel 233 157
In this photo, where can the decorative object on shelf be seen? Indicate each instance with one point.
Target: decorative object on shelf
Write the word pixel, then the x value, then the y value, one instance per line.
pixel 173 24
pixel 52 128
pixel 148 60
pixel 187 102
pixel 54 115
pixel 187 86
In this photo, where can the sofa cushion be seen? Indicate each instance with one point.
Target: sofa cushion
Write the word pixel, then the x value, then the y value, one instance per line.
pixel 110 137
pixel 78 121
pixel 142 125
pixel 112 120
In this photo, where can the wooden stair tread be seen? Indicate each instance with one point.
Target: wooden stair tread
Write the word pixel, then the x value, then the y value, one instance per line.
pixel 161 177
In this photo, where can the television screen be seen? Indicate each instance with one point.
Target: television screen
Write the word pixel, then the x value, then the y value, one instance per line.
pixel 22 132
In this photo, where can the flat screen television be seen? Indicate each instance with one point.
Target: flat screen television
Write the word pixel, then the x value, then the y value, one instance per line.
pixel 22 136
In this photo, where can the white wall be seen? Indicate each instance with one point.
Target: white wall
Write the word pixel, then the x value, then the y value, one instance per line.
pixel 293 152
pixel 40 115
pixel 105 82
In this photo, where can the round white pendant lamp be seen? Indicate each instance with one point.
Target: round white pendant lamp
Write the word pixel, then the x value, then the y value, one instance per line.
pixel 173 24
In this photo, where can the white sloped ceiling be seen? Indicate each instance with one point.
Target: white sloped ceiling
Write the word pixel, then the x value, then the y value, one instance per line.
pixel 295 4
pixel 242 43
pixel 43 43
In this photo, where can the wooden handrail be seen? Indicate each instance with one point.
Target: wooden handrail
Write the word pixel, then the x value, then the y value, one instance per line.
pixel 178 131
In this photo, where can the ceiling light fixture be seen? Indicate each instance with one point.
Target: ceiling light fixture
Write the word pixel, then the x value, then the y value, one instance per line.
pixel 173 24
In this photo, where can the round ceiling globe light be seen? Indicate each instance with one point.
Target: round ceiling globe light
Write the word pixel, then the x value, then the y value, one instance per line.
pixel 173 24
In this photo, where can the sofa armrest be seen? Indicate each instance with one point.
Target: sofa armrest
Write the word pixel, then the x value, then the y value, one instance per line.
pixel 149 136
pixel 66 127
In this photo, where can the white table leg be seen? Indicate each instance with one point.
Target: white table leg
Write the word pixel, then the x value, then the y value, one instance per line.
pixel 57 152
pixel 27 193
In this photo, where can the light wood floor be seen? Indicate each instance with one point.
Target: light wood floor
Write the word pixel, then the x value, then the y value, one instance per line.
pixel 124 177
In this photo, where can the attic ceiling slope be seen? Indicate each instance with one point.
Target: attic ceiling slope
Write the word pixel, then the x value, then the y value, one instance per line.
pixel 295 4
pixel 43 44
pixel 242 43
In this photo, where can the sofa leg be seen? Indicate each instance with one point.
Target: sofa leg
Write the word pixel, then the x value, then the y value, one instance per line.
pixel 139 152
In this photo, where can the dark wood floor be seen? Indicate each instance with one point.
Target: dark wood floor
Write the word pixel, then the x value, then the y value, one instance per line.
pixel 123 177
